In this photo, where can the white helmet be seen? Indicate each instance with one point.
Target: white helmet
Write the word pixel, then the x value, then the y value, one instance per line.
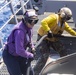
pixel 65 13
pixel 30 16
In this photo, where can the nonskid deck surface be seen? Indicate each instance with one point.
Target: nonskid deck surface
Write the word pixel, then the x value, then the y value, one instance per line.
pixel 3 69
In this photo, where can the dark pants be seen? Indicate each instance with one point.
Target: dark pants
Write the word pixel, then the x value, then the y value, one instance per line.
pixel 15 65
pixel 44 49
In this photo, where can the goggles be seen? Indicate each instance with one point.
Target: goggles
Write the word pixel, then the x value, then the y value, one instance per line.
pixel 68 18
pixel 32 21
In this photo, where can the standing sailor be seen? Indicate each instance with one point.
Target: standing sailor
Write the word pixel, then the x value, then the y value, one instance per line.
pixel 15 54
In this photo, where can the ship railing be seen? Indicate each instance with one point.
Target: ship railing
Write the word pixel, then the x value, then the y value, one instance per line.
pixel 23 4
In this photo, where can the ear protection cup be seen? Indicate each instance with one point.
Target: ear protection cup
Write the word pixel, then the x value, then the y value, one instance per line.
pixel 62 15
pixel 25 18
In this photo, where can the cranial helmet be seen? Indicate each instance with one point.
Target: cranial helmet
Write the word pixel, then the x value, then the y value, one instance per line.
pixel 65 13
pixel 30 16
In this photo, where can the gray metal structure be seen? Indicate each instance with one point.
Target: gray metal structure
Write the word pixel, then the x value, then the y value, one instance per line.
pixel 55 5
pixel 62 66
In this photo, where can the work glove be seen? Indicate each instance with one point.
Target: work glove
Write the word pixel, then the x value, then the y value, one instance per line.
pixel 57 35
pixel 30 55
pixel 49 35
pixel 33 52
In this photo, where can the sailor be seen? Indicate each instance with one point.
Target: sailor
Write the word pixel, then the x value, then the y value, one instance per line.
pixel 15 53
pixel 52 25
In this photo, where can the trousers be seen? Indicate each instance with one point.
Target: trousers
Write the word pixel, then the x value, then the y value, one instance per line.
pixel 16 65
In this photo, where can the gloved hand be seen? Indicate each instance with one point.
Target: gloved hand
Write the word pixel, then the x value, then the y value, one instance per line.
pixel 50 35
pixel 57 35
pixel 31 58
pixel 30 55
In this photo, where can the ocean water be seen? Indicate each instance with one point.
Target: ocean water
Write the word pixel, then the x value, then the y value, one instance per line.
pixel 4 16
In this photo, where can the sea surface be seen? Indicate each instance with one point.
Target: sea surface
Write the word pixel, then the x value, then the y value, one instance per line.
pixel 4 16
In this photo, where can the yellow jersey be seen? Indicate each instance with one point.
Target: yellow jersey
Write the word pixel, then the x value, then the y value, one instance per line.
pixel 52 22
